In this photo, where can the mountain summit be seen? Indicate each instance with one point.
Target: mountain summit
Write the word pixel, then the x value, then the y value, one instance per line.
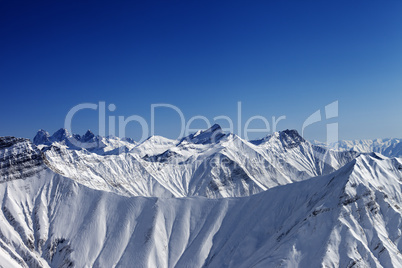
pixel 88 137
pixel 288 138
pixel 42 137
pixel 211 135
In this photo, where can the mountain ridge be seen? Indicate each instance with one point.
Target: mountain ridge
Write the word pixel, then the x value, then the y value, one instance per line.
pixel 286 225
pixel 207 163
pixel 391 147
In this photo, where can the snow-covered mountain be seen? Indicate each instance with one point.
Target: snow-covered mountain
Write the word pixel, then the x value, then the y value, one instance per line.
pixel 387 147
pixel 350 217
pixel 88 141
pixel 208 163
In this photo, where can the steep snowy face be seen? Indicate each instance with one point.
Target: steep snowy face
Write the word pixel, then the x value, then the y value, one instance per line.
pixel 298 159
pixel 19 158
pixel 351 217
pixel 288 139
pixel 154 145
pixel 387 147
pixel 207 163
pixel 211 135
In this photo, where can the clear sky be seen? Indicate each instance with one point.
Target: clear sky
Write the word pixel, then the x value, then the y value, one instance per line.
pixel 277 57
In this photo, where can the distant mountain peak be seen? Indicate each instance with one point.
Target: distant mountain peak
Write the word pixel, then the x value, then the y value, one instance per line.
pixel 387 147
pixel 89 132
pixel 42 131
pixel 88 136
pixel 215 127
pixel 289 138
pixel 210 135
pixel 290 132
pixel 42 137
pixel 60 135
pixel 127 139
pixel 89 141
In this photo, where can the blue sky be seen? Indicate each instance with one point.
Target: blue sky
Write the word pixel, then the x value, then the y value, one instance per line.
pixel 277 57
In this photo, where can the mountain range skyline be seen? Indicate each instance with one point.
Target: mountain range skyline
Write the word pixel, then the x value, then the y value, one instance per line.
pixel 199 202
pixel 90 135
pixel 200 134
pixel 277 58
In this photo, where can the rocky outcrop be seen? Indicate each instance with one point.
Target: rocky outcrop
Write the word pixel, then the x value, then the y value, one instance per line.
pixel 19 158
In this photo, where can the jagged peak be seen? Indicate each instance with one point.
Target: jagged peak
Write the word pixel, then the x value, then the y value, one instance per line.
pixel 289 138
pixel 88 133
pixel 41 137
pixel 60 134
pixel 43 132
pixel 63 133
pixel 210 135
pixel 290 132
pixel 213 128
pixel 88 136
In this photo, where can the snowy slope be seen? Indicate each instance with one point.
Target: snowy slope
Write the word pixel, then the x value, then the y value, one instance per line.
pixel 207 163
pixel 387 147
pixel 351 217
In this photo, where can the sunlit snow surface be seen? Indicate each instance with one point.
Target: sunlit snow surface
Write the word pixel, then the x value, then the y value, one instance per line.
pixel 207 163
pixel 350 217
pixel 387 147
